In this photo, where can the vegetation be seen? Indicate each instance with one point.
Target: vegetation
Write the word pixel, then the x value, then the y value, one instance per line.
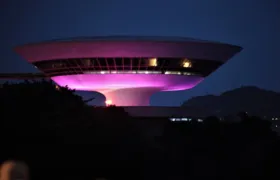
pixel 60 137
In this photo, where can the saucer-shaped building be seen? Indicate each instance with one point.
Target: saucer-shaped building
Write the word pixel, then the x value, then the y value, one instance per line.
pixel 128 70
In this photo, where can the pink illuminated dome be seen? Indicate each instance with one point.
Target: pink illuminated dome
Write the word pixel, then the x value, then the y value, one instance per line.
pixel 128 70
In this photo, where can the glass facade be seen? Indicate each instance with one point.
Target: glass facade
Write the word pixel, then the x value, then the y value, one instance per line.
pixel 178 66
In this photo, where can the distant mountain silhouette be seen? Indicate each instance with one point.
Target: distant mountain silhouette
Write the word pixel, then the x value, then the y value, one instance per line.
pixel 251 99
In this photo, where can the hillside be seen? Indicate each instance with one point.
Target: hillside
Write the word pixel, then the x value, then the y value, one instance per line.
pixel 253 100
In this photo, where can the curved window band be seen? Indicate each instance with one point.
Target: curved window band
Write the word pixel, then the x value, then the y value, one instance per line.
pixel 174 66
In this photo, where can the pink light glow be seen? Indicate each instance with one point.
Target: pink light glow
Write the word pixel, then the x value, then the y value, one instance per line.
pixel 128 89
pixel 108 102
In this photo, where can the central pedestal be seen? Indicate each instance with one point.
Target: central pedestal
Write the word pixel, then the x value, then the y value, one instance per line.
pixel 130 96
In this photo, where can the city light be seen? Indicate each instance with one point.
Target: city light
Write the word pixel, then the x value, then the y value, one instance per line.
pixel 108 102
pixel 187 63
pixel 57 87
pixel 153 62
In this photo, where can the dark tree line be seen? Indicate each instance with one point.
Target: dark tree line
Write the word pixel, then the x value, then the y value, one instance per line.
pixel 59 137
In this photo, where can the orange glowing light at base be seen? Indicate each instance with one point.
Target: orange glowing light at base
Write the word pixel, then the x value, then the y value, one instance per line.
pixel 108 102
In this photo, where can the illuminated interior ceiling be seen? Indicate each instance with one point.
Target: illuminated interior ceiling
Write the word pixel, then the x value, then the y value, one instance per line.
pixel 128 89
pixel 102 82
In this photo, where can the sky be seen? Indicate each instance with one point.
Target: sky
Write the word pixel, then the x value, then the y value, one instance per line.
pixel 251 24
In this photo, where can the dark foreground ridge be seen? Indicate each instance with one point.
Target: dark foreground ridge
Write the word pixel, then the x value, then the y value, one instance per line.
pixel 58 136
